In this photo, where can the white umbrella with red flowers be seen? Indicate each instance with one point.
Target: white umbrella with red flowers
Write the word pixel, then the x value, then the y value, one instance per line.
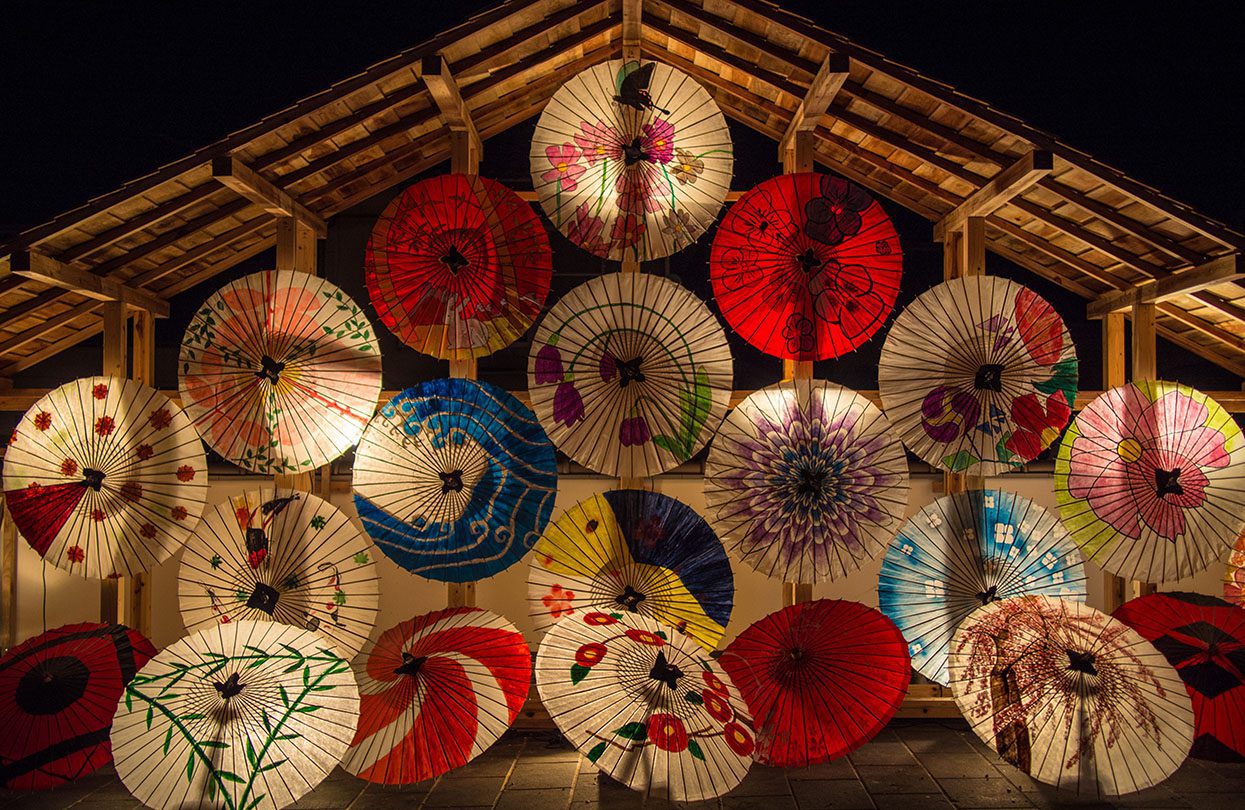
pixel 646 705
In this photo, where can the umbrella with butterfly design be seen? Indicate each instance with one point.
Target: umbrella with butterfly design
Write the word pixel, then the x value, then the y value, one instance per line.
pixel 646 705
pixel 632 160
pixel 458 266
pixel 105 477
pixel 241 715
pixel 281 556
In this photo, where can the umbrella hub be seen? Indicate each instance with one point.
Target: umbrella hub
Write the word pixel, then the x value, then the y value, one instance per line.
pixel 809 261
pixel 52 685
pixel 1082 662
pixel 1167 482
pixel 665 672
pixel 989 378
pixel 451 481
pixel 630 598
pixel 989 595
pixel 230 687
pixel 270 369
pixel 634 152
pixel 629 371
pixel 263 597
pixel 454 260
pixel 797 654
pixel 410 664
pixel 812 482
pixel 92 478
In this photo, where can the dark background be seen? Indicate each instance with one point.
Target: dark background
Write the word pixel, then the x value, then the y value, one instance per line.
pixel 95 94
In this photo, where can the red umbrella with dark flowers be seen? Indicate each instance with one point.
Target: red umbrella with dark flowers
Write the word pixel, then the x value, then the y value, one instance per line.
pixel 806 266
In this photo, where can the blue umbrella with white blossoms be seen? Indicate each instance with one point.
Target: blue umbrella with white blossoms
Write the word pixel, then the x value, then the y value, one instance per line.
pixel 805 481
pixel 967 550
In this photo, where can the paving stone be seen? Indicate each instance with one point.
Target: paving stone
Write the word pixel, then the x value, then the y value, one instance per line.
pixel 883 753
pixel 992 793
pixel 591 787
pixel 489 764
pixel 331 794
pixel 934 739
pixel 529 774
pixel 542 799
pixel 831 794
pixel 470 792
pixel 888 779
pixel 834 769
pixel 958 766
pixel 911 801
pixel 763 781
pixel 732 802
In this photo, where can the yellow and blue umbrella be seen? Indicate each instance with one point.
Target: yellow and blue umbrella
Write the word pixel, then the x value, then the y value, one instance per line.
pixel 454 479
pixel 632 551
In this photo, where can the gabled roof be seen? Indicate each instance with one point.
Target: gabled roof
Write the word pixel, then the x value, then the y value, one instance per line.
pixel 906 137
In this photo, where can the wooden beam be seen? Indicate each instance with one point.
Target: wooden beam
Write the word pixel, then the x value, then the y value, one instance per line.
pixel 441 85
pixel 1001 189
pixel 830 77
pixel 1183 282
pixel 632 29
pixel 248 183
pixel 47 270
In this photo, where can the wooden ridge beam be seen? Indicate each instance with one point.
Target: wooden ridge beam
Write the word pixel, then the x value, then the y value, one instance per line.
pixel 248 183
pixel 1185 282
pixel 443 88
pixel 48 270
pixel 1001 189
pixel 830 77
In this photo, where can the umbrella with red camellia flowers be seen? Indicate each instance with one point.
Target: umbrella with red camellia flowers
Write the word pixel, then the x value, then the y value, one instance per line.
pixel 1204 639
pixel 806 266
pixel 58 692
pixel 435 692
pixel 458 266
pixel 820 679
pixel 105 477
pixel 645 704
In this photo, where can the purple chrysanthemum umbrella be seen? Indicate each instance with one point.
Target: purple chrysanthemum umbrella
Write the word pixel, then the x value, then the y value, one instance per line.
pixel 806 482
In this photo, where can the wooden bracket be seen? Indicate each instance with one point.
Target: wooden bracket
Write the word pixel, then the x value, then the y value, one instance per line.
pixel 1003 187
pixel 435 72
pixel 48 270
pixel 244 180
pixel 1182 282
pixel 632 28
pixel 825 86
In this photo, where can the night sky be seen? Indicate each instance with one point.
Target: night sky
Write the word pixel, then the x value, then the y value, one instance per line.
pixel 98 94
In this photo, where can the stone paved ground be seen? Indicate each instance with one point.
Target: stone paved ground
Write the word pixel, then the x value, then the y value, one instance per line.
pixel 912 765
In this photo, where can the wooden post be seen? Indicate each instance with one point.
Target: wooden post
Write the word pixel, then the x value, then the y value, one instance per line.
pixel 1112 376
pixel 112 602
pixel 1145 344
pixel 8 584
pixel 964 255
pixel 631 29
pixel 296 251
pixel 138 602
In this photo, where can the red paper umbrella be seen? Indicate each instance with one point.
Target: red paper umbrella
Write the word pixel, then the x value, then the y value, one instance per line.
pixel 458 266
pixel 820 679
pixel 58 692
pixel 1204 639
pixel 806 266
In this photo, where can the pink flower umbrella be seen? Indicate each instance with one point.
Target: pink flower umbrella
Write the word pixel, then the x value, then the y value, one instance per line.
pixel 1150 481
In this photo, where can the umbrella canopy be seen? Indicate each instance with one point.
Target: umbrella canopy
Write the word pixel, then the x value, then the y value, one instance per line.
pixel 820 679
pixel 57 695
pixel 436 691
pixel 978 375
pixel 458 266
pixel 638 552
pixel 280 371
pixel 967 550
pixel 631 374
pixel 105 477
pixel 806 266
pixel 455 479
pixel 1070 696
pixel 1150 481
pixel 281 556
pixel 632 160
pixel 1234 574
pixel 244 715
pixel 806 482
pixel 646 706
pixel 1204 639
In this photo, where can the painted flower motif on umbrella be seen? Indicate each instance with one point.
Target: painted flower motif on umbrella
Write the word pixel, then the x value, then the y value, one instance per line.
pixel 1149 481
pixel 639 148
pixel 978 375
pixel 652 710
pixel 806 266
pixel 459 266
pixel 806 481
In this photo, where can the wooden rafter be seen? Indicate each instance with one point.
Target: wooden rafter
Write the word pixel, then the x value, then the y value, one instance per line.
pixel 1000 190
pixel 248 183
pixel 825 86
pixel 48 270
pixel 1216 271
